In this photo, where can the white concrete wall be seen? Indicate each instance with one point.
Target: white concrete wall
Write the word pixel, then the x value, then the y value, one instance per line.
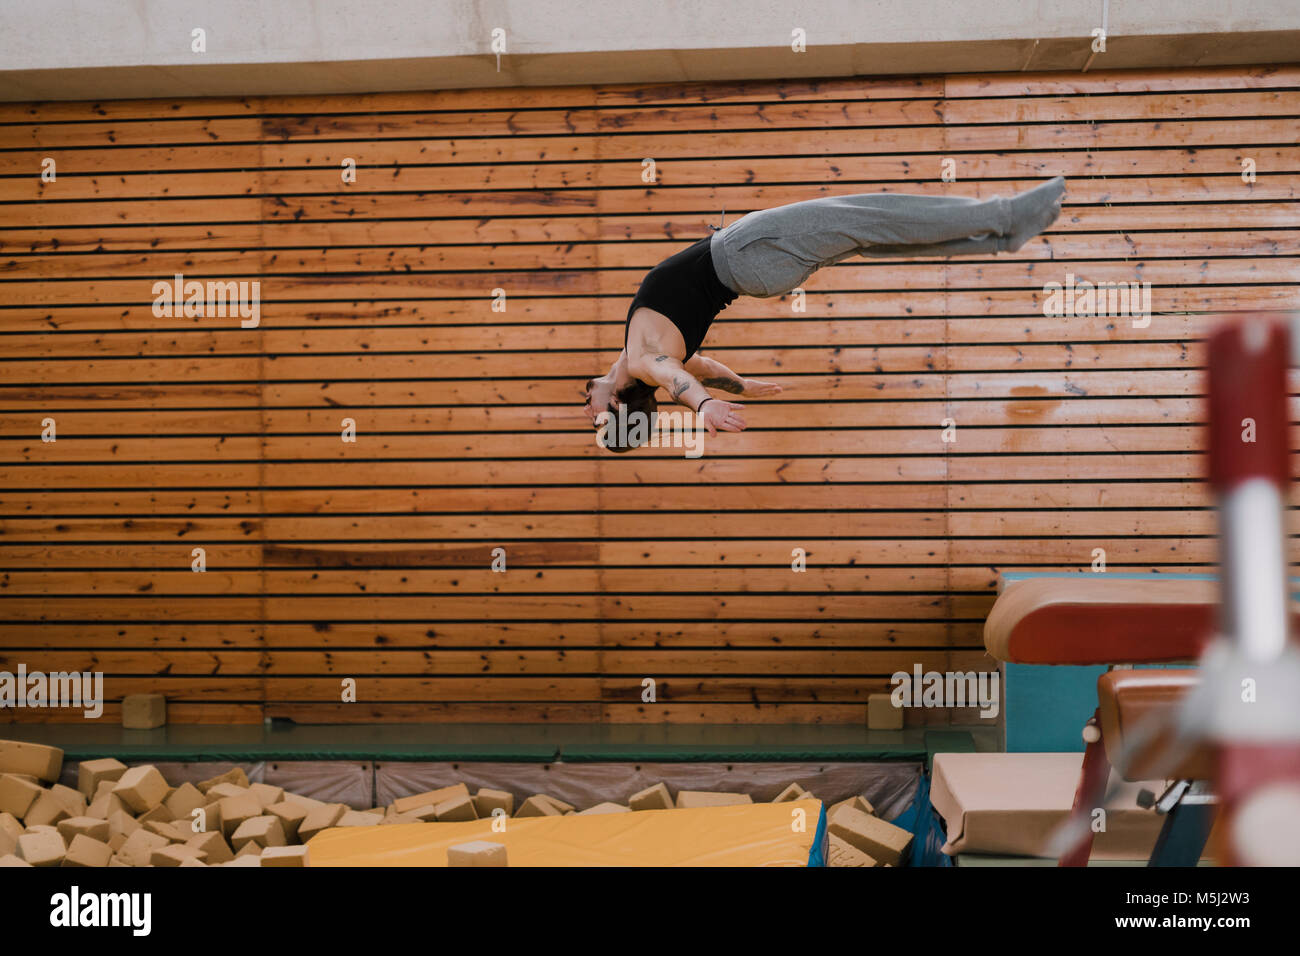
pixel 100 48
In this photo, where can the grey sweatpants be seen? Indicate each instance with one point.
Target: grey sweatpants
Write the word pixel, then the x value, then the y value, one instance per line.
pixel 771 251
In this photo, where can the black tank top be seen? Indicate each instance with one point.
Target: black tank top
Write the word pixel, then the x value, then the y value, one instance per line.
pixel 686 288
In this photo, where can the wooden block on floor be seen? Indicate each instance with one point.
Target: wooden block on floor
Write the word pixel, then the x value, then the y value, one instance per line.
pixel 37 760
pixel 286 856
pixel 477 853
pixel 143 711
pixel 877 839
pixel 92 773
pixel 652 798
pixel 87 851
pixel 690 799
pixel 141 788
pixel 882 714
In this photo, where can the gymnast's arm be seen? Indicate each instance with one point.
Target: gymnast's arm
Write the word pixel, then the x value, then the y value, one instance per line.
pixel 669 372
pixel 713 374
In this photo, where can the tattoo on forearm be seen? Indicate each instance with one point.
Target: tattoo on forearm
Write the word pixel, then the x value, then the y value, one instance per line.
pixel 726 384
pixel 680 385
pixel 661 358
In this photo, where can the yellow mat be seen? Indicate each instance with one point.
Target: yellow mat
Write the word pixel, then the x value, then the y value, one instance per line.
pixel 759 834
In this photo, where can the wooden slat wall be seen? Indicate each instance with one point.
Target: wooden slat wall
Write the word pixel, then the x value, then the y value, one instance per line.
pixel 371 560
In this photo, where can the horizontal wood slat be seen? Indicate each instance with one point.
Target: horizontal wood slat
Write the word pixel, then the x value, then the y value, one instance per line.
pixel 373 559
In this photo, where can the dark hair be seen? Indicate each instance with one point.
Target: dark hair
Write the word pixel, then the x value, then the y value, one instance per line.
pixel 638 398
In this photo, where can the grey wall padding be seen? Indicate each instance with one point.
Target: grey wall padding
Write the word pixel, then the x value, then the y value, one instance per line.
pixel 890 786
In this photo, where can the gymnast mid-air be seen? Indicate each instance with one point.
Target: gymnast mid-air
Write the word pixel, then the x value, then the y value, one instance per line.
pixel 771 252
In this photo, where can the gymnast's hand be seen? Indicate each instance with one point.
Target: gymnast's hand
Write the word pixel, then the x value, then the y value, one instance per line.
pixel 755 389
pixel 716 414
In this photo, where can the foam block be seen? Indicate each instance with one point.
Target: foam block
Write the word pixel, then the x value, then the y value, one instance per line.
pixel 72 800
pixel 92 773
pixel 263 830
pixel 17 795
pixel 37 760
pixel 45 809
pixel 143 711
pixel 175 855
pixel 352 818
pixel 605 808
pixel 651 798
pixel 430 797
pixel 159 814
pixel 485 801
pixel 841 853
pixel 234 775
pixel 538 806
pixel 477 853
pixel 265 794
pixel 458 809
pixel 86 851
pixel 857 803
pixel 184 800
pixel 879 840
pixel 11 859
pixel 141 788
pixel 234 811
pixel 89 826
pixel 214 845
pixel 225 789
pixel 45 848
pixel 790 793
pixel 318 819
pixel 253 860
pixel 690 799
pixel 286 856
pixel 882 714
pixel 122 822
pixel 291 815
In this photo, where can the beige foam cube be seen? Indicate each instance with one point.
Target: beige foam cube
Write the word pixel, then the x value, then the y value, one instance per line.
pixel 538 806
pixel 121 822
pixel 246 860
pixel 375 811
pixel 106 804
pixel 45 809
pixel 263 830
pixel 882 714
pixel 175 855
pixel 9 842
pixel 192 861
pixel 213 845
pixel 318 819
pixel 691 799
pixel 37 760
pixel 173 832
pixel 234 775
pixel 430 797
pixel 11 859
pixel 249 849
pixel 141 788
pixel 17 795
pixel 144 711
pixel 458 809
pixel 92 773
pixel 115 840
pixel 858 803
pixel 877 839
pixel 286 856
pixel 184 800
pixel 558 803
pixel 477 853
pixel 485 801
pixel 159 814
pixel 139 847
pixel 9 824
pixel 353 818
pixel 651 798
pixel 290 816
pixel 211 817
pixel 266 794
pixel 310 803
pixel 841 853
pixel 234 811
pixel 72 800
pixel 117 861
pixel 87 851
pixel 90 826
pixel 606 807
pixel 790 794
pixel 43 848
pixel 225 789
